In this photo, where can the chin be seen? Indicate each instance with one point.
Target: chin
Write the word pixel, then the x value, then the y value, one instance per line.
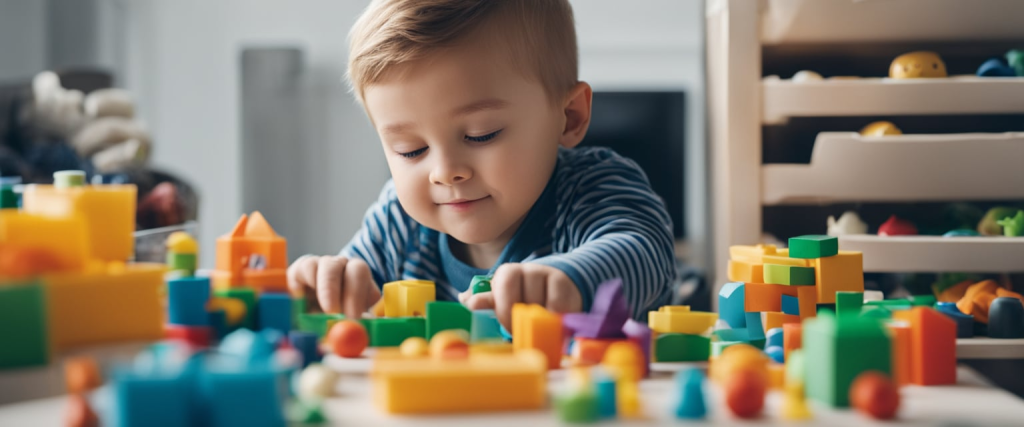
pixel 473 235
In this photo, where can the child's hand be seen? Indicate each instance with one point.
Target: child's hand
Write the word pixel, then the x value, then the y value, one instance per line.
pixel 529 283
pixel 338 282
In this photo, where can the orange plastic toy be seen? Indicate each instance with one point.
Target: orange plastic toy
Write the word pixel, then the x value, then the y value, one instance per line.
pixel 347 338
pixel 932 346
pixel 744 393
pixel 82 374
pixel 236 267
pixel 874 395
pixel 535 327
pixel 978 298
pixel 792 338
pixel 590 351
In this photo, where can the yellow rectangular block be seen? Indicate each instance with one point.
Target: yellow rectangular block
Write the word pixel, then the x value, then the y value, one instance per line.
pixel 764 254
pixel 841 272
pixel 407 298
pixel 673 319
pixel 108 212
pixel 117 303
pixel 483 382
pixel 64 238
pixel 746 272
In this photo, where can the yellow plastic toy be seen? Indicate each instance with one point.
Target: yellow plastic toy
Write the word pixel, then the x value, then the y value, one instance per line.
pixel 407 298
pixel 679 319
pixel 880 128
pixel 919 64
pixel 841 272
pixel 106 211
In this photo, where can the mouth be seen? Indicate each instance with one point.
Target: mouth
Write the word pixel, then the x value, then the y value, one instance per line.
pixel 462 202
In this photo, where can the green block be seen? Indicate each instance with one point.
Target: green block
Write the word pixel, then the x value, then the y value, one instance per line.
pixel 298 307
pixel 795 366
pixel 480 284
pixel 182 262
pixel 836 350
pixel 248 296
pixel 875 312
pixel 392 331
pixel 444 315
pixel 23 329
pixel 788 275
pixel 849 303
pixel 923 300
pixel 891 304
pixel 682 348
pixel 813 246
pixel 317 322
pixel 577 407
pixel 8 198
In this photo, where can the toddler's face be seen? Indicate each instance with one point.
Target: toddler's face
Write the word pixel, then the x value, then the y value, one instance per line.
pixel 470 142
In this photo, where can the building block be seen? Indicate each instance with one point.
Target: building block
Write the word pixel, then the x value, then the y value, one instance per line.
pixel 483 382
pixel 680 320
pixel 626 361
pixel 640 334
pixel 590 351
pixel 774 336
pixel 217 320
pixel 901 353
pixel 480 284
pixel 849 303
pixel 691 406
pixel 251 237
pixel 247 296
pixel 392 331
pixel 788 275
pixel 754 329
pixel 23 325
pixel 890 304
pixel 875 312
pixel 298 307
pixel 776 353
pixel 533 327
pixel 149 400
pixel 307 343
pixel 605 388
pixel 841 272
pixel 106 211
pixel 407 298
pixel 275 312
pixel 485 326
pixel 922 300
pixel 197 336
pixel 764 254
pixel 807 300
pixel 444 315
pixel 318 323
pixel 246 398
pixel 836 350
pixel 813 246
pixel 674 347
pixel 964 323
pixel 932 346
pixel 795 367
pixel 766 297
pixel 118 303
pixel 607 314
pixel 578 407
pixel 63 239
pixel 742 271
pixel 775 319
pixel 731 305
pixel 791 305
pixel 792 338
pixel 186 301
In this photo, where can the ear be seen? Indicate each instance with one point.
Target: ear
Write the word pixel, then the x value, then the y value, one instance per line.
pixel 577 115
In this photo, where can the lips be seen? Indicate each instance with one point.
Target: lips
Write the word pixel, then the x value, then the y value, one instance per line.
pixel 463 201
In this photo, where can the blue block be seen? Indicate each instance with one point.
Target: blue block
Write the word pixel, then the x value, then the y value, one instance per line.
pixel 790 305
pixel 730 305
pixel 218 322
pixel 186 301
pixel 606 400
pixel 246 398
pixel 754 328
pixel 307 344
pixel 691 404
pixel 485 326
pixel 153 400
pixel 774 337
pixel 964 322
pixel 776 353
pixel 275 312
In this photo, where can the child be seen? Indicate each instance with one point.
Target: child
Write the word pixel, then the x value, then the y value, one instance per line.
pixel 478 107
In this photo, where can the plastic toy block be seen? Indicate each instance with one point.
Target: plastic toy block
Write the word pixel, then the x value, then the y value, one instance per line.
pixel 836 350
pixel 742 271
pixel 298 307
pixel 217 320
pixel 607 314
pixel 150 399
pixel 61 238
pixel 246 295
pixel 754 329
pixel 681 348
pixel 628 399
pixel 774 319
pixel 252 397
pixel 605 389
pixel 774 336
pixel 764 254
pixel 766 297
pixel 933 346
pixel 891 304
pixel 317 323
pixel 181 262
pixel 964 323
pixel 391 332
pixel 68 178
pixel 790 305
pixel 485 327
pixel 444 315
pixel 795 367
pixel 922 300
pixel 252 236
pixel 480 284
pixel 186 301
pixel 876 312
pixel 691 406
pixel 590 351
pixel 23 328
pixel 536 328
pixel 579 406
pixel 842 272
pixel 776 353
pixel 306 412
pixel 483 382
pixel 407 298
pixel 106 211
pixel 788 275
pixel 641 335
pixel 807 297
pixel 731 305
pixel 676 319
pixel 901 353
pixel 197 336
pixel 813 246
pixel 275 312
pixel 792 338
pixel 849 303
pixel 307 344
pixel 119 303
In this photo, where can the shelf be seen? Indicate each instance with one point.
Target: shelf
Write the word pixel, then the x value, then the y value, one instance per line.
pixel 848 21
pixel 936 254
pixel 989 348
pixel 784 98
pixel 847 167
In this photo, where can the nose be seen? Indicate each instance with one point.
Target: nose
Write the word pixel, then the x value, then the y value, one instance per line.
pixel 450 171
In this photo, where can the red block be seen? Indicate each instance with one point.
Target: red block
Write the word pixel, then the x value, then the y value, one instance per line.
pixel 197 336
pixel 590 351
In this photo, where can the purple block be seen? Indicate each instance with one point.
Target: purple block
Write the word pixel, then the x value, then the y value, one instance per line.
pixel 607 314
pixel 641 334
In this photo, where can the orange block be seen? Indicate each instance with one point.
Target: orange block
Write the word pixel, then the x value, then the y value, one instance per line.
pixel 535 327
pixel 841 272
pixel 251 236
pixel 932 346
pixel 766 297
pixel 741 271
pixel 792 337
pixel 590 351
pixel 35 236
pixel 807 299
pixel 774 319
pixel 901 353
pixel 776 375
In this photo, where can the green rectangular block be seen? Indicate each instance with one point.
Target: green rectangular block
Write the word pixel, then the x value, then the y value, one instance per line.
pixel 923 300
pixel 23 329
pixel 813 246
pixel 836 350
pixel 392 331
pixel 849 303
pixel 317 322
pixel 681 348
pixel 248 296
pixel 298 307
pixel 444 315
pixel 788 275
pixel 186 262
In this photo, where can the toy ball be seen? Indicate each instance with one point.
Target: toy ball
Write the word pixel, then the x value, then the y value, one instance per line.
pixel 347 338
pixel 744 393
pixel 920 64
pixel 874 395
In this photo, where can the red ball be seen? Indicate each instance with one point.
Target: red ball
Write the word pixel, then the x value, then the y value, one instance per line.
pixel 347 338
pixel 744 393
pixel 875 395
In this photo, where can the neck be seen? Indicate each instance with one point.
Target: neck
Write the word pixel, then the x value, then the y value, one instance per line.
pixel 483 255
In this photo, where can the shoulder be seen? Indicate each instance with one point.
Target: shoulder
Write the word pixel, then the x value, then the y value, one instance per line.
pixel 597 169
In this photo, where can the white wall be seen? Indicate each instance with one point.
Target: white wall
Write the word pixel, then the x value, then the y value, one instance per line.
pixel 23 38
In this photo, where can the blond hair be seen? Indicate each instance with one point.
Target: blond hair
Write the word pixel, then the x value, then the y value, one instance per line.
pixel 540 36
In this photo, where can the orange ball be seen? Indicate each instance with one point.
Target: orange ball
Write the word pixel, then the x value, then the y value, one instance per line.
pixel 875 395
pixel 744 393
pixel 348 338
pixel 82 374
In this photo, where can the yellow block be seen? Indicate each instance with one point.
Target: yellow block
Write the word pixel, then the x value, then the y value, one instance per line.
pixel 742 271
pixel 842 272
pixel 64 238
pixel 673 319
pixel 483 382
pixel 534 327
pixel 628 398
pixel 407 298
pixel 773 319
pixel 117 303
pixel 234 309
pixel 108 212
pixel 776 375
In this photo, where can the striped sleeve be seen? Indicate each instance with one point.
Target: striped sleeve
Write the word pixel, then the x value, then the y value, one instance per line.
pixel 615 226
pixel 382 238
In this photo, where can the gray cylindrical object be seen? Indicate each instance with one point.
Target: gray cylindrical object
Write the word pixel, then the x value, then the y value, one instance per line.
pixel 1006 318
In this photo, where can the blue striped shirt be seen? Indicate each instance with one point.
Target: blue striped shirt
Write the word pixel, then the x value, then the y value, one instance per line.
pixel 596 220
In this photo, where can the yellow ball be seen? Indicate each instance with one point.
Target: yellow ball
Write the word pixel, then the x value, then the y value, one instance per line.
pixel 920 64
pixel 880 128
pixel 414 347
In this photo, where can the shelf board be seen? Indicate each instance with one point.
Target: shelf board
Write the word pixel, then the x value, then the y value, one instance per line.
pixel 848 167
pixel 907 254
pixel 784 98
pixel 989 348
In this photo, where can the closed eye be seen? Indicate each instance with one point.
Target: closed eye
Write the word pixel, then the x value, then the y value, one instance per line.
pixel 484 138
pixel 413 154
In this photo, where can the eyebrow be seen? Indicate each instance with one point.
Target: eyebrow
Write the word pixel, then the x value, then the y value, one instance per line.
pixel 481 105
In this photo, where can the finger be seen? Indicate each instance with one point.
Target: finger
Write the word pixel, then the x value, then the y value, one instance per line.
pixel 464 296
pixel 481 301
pixel 328 282
pixel 301 274
pixel 358 289
pixel 563 295
pixel 507 289
pixel 535 284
